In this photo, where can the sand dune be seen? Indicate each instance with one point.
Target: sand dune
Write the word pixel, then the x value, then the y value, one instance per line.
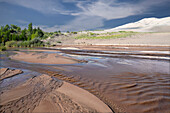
pixel 144 25
pixel 146 39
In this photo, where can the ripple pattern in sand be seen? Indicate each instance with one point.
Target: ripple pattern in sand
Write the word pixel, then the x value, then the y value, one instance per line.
pixel 131 92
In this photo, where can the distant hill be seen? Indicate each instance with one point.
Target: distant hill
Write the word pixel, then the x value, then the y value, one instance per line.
pixel 145 25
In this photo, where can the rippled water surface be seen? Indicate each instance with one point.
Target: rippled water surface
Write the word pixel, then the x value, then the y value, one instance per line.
pixel 127 85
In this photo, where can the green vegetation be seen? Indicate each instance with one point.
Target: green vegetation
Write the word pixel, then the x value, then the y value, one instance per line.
pixel 32 43
pixel 2 48
pixel 13 36
pixel 110 35
pixel 74 32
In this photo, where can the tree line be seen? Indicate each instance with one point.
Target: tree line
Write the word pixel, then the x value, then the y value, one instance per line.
pixel 14 33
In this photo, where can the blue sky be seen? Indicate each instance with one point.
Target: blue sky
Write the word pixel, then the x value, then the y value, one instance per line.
pixel 77 15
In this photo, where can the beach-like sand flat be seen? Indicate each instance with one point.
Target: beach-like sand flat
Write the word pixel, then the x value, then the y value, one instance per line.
pixel 43 58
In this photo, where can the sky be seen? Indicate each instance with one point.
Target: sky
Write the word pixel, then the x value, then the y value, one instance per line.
pixel 78 15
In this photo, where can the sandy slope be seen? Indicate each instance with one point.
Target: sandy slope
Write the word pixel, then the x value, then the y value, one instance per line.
pixel 136 39
pixel 144 25
pixel 46 94
pixel 161 39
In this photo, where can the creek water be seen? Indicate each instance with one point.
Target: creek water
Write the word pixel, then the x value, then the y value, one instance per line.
pixel 126 81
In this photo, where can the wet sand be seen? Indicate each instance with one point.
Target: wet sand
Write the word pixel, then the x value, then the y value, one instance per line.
pixel 124 82
pixel 5 73
pixel 45 94
pixel 43 58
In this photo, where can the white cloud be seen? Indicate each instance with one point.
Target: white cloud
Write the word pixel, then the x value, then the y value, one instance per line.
pixel 43 6
pixel 112 9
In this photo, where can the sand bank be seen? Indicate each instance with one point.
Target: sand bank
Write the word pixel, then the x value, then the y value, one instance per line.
pixel 5 73
pixel 46 94
pixel 43 58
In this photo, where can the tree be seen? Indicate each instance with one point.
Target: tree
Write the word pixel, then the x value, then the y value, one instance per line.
pixel 34 35
pixel 10 37
pixel 40 32
pixel 18 29
pixel 6 28
pixel 29 38
pixel 34 30
pixel 23 34
pixel 30 28
pixel 14 37
pixel 6 36
pixel 14 26
pixel 2 28
pixel 59 32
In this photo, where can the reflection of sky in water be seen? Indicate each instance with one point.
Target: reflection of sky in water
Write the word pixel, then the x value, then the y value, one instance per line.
pixel 135 56
pixel 100 58
pixel 81 57
pixel 159 52
pixel 18 79
pixel 152 57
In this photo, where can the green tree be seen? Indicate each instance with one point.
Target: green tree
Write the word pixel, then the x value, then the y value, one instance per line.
pixel 6 28
pixel 29 38
pixel 18 29
pixel 14 37
pixel 40 32
pixel 14 26
pixel 10 37
pixel 23 34
pixel 6 36
pixel 34 30
pixel 30 28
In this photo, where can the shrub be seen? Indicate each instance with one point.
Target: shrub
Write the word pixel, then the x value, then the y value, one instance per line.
pixel 48 43
pixel 74 32
pixel 36 40
pixel 33 43
pixel 11 44
pixel 2 48
pixel 92 33
pixel 59 42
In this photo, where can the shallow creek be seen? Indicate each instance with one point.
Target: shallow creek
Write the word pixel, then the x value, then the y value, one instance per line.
pixel 127 81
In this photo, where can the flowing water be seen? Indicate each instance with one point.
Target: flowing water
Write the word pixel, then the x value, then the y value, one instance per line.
pixel 127 81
